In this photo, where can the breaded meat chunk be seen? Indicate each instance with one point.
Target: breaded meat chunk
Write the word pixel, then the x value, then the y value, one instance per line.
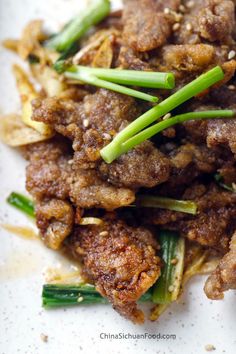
pixel 120 260
pixel 223 277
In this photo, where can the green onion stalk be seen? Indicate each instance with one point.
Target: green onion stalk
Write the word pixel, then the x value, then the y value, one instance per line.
pixel 168 286
pixel 22 203
pixel 113 150
pixel 60 295
pixel 220 180
pixel 148 201
pixel 86 77
pixel 78 26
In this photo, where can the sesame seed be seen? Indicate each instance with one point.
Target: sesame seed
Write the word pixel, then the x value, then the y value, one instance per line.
pixel 70 162
pixel 234 186
pixel 106 136
pixel 231 54
pixel 171 288
pixel 176 26
pixel 174 261
pixel 190 4
pixel 85 123
pixel 209 347
pixel 182 8
pixel 167 116
pixel 189 27
pixel 80 299
pixel 231 87
pixel 166 10
pixel 103 233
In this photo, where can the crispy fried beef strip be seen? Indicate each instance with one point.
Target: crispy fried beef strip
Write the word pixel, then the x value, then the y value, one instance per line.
pixel 120 260
pixel 88 190
pixel 55 220
pixel 105 113
pixel 213 224
pixel 90 124
pixel 51 174
pixel 48 169
pixel 146 26
pixel 223 277
pixel 210 20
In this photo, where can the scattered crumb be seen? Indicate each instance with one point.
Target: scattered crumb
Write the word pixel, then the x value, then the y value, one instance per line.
pixel 44 337
pixel 209 347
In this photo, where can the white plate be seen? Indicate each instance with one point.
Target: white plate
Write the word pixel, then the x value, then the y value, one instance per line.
pixel 195 321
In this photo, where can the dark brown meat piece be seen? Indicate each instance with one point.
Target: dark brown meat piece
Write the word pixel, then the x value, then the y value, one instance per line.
pixel 214 222
pixel 55 219
pixel 105 113
pixel 48 169
pixel 144 166
pixel 211 20
pixel 90 124
pixel 88 190
pixel 222 132
pixel 120 260
pixel 224 276
pixel 145 25
pixel 130 59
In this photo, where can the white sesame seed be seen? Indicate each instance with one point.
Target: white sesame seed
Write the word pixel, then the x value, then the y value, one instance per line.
pixel 167 116
pixel 190 4
pixel 166 10
pixel 176 26
pixel 106 136
pixel 234 186
pixel 182 8
pixel 103 233
pixel 231 87
pixel 85 123
pixel 70 162
pixel 231 54
pixel 189 27
pixel 171 288
pixel 209 347
pixel 80 299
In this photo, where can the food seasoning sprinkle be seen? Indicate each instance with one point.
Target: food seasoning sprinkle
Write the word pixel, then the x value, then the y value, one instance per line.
pixel 231 54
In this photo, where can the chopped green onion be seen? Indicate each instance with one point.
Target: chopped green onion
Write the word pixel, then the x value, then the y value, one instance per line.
pixel 149 79
pixel 78 26
pixel 219 179
pixel 93 80
pixel 114 150
pixel 60 295
pixel 168 286
pixel 184 206
pixel 157 128
pixel 22 203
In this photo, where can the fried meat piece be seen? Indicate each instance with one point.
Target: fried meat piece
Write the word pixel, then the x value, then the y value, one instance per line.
pixel 48 169
pixel 146 26
pixel 105 113
pixel 90 124
pixel 213 224
pixel 144 166
pixel 224 276
pixel 88 190
pixel 55 219
pixel 120 260
pixel 211 20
